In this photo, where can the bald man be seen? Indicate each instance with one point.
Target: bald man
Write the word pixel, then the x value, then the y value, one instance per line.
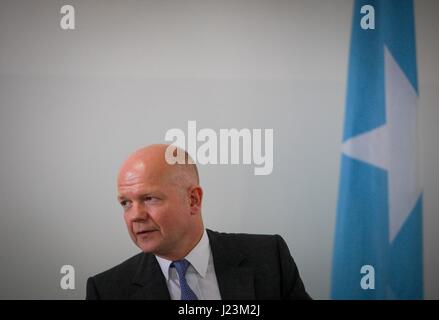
pixel 180 259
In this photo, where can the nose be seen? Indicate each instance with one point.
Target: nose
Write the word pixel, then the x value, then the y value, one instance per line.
pixel 139 211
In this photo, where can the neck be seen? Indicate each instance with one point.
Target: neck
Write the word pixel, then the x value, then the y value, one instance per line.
pixel 190 244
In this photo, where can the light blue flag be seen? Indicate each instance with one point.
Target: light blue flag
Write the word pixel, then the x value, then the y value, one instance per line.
pixel 379 213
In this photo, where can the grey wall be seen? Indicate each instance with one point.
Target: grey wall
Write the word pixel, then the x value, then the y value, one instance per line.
pixel 74 104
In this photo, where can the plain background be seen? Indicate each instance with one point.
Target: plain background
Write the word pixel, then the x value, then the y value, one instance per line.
pixel 74 104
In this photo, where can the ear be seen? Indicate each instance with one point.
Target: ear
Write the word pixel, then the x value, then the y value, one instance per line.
pixel 195 199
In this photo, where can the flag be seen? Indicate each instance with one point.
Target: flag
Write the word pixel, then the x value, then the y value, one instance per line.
pixel 378 232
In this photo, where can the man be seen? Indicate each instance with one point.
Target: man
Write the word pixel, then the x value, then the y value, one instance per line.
pixel 181 259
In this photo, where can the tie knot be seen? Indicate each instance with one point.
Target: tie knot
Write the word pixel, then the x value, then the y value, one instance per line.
pixel 181 266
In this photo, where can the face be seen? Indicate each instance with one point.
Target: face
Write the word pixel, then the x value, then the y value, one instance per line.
pixel 157 211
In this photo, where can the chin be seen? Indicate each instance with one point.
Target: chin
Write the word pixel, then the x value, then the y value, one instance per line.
pixel 148 248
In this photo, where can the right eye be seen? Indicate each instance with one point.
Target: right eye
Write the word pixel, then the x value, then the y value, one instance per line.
pixel 124 204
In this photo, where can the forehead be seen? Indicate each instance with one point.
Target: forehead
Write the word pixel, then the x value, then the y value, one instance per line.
pixel 140 178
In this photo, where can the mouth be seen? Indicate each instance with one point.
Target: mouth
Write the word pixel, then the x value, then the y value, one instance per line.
pixel 144 232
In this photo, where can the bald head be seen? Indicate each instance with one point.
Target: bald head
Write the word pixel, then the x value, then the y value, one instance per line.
pixel 151 160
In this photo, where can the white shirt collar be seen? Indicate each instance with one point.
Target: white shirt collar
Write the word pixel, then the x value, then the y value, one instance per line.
pixel 198 258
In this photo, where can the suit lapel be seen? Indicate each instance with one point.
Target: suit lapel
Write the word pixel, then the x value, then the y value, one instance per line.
pixel 149 282
pixel 234 280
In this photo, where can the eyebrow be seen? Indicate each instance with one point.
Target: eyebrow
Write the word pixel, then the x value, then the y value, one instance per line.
pixel 151 193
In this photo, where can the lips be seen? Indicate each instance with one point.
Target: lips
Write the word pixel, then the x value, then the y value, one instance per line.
pixel 145 231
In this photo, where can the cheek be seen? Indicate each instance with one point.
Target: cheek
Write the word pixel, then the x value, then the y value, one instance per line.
pixel 159 216
pixel 165 219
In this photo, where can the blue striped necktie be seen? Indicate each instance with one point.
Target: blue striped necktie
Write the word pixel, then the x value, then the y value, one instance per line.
pixel 186 291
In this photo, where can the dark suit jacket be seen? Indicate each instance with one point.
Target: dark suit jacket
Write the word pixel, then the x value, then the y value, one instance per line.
pixel 246 266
